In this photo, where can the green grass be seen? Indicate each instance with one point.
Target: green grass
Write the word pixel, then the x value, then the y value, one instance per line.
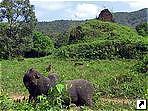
pixel 145 40
pixel 13 71
pixel 99 72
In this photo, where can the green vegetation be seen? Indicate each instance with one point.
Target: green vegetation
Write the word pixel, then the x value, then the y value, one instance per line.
pixel 145 40
pixel 17 22
pixel 57 30
pixel 42 43
pixel 142 65
pixel 42 46
pixel 111 56
pixel 57 26
pixel 115 78
pixel 142 29
pixel 101 50
pixel 95 29
pixel 103 40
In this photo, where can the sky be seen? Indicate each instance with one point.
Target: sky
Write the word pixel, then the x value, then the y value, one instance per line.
pixel 49 10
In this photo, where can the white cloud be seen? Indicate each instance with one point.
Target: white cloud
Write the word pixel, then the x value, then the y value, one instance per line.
pixel 43 9
pixel 47 5
pixel 84 10
pixel 138 4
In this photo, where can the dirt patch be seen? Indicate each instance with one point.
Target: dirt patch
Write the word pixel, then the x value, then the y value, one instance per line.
pixel 20 97
pixel 16 97
pixel 117 100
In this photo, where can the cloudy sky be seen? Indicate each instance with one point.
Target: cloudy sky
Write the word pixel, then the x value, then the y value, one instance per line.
pixel 49 10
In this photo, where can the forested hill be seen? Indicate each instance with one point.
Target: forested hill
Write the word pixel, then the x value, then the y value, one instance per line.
pixel 57 26
pixel 125 18
pixel 131 18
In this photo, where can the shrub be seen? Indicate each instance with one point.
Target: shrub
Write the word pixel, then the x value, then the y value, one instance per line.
pixel 141 66
pixel 76 34
pixel 142 29
pixel 42 46
pixel 100 50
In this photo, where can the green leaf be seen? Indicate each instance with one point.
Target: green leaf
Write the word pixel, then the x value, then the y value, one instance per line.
pixel 60 87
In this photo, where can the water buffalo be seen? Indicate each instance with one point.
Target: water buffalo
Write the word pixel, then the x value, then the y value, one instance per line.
pixel 80 91
pixel 37 84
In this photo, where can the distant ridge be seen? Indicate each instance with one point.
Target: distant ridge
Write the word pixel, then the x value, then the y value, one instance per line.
pixel 57 26
pixel 131 18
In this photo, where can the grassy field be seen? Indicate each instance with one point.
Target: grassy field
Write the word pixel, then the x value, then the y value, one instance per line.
pixel 117 83
pixel 117 86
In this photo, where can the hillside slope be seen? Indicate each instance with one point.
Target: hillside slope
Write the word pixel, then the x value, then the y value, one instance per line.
pixel 96 30
pixel 96 39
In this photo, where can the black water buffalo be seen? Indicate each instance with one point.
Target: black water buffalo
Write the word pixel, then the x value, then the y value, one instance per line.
pixel 37 84
pixel 80 91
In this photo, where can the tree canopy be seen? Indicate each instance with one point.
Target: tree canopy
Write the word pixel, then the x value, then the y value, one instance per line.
pixel 17 24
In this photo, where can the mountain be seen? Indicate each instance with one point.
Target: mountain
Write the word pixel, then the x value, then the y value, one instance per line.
pixel 61 26
pixel 131 18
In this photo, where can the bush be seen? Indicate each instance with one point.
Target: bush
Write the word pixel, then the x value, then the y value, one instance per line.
pixel 76 34
pixel 61 39
pixel 100 50
pixel 142 29
pixel 142 65
pixel 42 46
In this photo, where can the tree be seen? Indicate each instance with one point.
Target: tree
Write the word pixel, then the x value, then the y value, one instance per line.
pixel 17 25
pixel 42 43
pixel 142 29
pixel 42 46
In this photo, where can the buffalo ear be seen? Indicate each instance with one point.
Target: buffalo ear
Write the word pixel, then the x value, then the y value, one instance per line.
pixel 31 69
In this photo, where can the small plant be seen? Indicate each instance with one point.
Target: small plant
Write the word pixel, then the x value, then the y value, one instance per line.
pixel 141 66
pixel 8 104
pixel 53 100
